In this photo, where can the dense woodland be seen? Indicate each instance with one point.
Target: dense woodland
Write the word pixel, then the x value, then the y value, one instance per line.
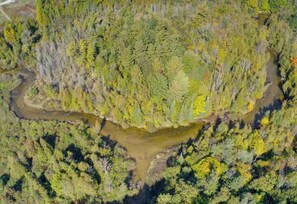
pixel 237 164
pixel 57 162
pixel 153 64
pixel 144 65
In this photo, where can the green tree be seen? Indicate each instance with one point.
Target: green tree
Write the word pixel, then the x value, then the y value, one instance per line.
pixel 179 86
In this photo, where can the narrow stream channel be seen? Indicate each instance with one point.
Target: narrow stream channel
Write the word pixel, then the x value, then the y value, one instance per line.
pixel 272 96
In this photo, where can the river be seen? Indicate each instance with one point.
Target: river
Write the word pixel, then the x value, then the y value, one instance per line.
pixel 272 97
pixel 140 144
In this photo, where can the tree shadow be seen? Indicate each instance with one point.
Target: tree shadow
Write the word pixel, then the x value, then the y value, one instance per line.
pixel 50 192
pixel 103 123
pixel 5 178
pixel 109 142
pixel 143 197
pixel 276 105
pixel 18 185
pixel 76 153
pixel 50 139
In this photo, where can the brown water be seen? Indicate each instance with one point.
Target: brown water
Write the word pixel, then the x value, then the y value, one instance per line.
pixel 141 145
pixel 272 96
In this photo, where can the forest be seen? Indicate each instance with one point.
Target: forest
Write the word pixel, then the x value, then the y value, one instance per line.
pixel 233 163
pixel 179 71
pixel 150 65
pixel 58 162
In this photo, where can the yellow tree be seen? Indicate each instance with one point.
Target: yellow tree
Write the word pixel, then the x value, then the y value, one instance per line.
pixel 9 33
pixel 264 5
pixel 41 18
pixel 253 4
pixel 257 143
pixel 264 121
pixel 204 167
pixel 199 105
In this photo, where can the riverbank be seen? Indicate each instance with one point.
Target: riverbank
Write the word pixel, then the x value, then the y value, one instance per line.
pixel 140 144
pixel 272 94
pixel 39 100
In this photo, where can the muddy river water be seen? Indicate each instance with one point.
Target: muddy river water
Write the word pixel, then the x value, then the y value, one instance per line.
pixel 273 95
pixel 140 144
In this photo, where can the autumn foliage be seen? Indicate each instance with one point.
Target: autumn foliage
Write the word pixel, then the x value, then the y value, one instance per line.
pixel 294 61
